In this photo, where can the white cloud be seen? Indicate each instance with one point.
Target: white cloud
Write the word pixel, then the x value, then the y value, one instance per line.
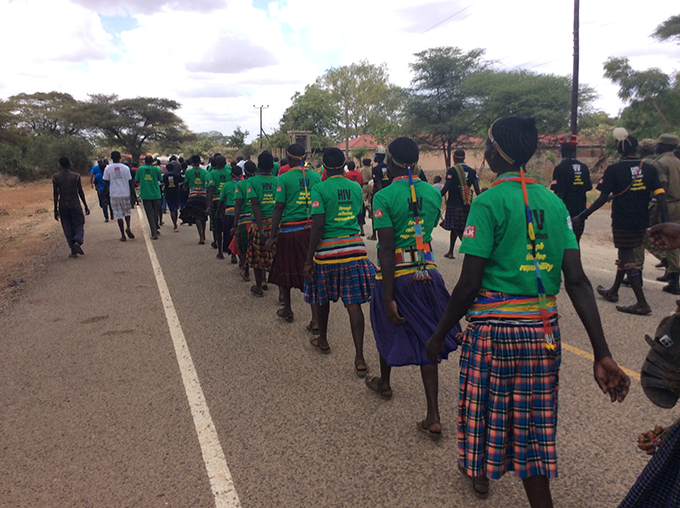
pixel 121 7
pixel 231 56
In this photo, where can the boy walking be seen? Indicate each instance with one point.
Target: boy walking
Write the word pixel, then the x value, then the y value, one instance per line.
pixel 120 186
pixel 149 178
pixel 68 192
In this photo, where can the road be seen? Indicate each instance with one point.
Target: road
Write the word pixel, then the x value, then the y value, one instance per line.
pixel 97 411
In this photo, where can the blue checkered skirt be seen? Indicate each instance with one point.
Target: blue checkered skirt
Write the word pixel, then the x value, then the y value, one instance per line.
pixel 351 281
pixel 659 484
pixel 507 411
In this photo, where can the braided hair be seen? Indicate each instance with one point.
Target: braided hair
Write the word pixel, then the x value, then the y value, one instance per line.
pixel 515 138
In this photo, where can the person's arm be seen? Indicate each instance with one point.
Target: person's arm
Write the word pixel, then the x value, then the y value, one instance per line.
pixel 318 226
pixel 91 179
pixel 209 198
pixel 665 236
pixel 557 183
pixel 276 221
pixel 462 298
pixel 82 196
pixel 55 195
pixel 238 202
pixel 662 203
pixel 387 267
pixel 608 375
pixel 448 181
pixel 133 192
pixel 597 204
pixel 257 215
pixel 475 185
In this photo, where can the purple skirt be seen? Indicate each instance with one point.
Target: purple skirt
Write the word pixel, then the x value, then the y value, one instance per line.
pixel 422 304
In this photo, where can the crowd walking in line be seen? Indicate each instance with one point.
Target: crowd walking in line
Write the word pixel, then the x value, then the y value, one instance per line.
pixel 298 229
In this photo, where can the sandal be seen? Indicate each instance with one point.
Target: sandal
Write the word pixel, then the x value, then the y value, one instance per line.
pixel 480 484
pixel 634 309
pixel 434 429
pixel 244 275
pixel 449 256
pixel 313 329
pixel 604 293
pixel 265 287
pixel 375 385
pixel 255 292
pixel 288 317
pixel 361 369
pixel 314 341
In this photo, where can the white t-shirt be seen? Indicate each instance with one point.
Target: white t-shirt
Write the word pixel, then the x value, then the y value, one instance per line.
pixel 118 175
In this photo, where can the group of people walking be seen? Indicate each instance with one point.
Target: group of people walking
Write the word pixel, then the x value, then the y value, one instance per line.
pixel 297 231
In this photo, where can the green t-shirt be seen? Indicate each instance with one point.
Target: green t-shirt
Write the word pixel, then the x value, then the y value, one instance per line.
pixel 197 178
pixel 241 192
pixel 291 191
pixel 275 169
pixel 263 187
pixel 392 208
pixel 497 230
pixel 148 178
pixel 218 177
pixel 227 194
pixel 340 200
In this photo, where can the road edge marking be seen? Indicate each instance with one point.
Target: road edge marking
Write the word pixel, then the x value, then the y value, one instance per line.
pixel 215 461
pixel 590 357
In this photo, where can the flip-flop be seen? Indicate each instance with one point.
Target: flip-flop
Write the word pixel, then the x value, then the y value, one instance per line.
pixel 288 317
pixel 476 482
pixel 244 275
pixel 449 256
pixel 361 372
pixel 429 430
pixel 313 329
pixel 254 291
pixel 605 294
pixel 314 341
pixel 374 384
pixel 634 309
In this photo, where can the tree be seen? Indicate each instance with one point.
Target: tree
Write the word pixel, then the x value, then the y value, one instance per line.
pixel 653 98
pixel 316 110
pixel 546 97
pixel 438 110
pixel 238 138
pixel 48 113
pixel 132 123
pixel 669 30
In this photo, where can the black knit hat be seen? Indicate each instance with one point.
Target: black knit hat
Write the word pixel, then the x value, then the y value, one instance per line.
pixel 515 138
pixel 404 152
pixel 333 158
pixel 296 151
pixel 265 161
pixel 249 167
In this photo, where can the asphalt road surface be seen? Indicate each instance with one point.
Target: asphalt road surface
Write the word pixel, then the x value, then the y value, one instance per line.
pixel 102 405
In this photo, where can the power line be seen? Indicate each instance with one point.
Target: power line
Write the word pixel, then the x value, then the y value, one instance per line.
pixel 445 20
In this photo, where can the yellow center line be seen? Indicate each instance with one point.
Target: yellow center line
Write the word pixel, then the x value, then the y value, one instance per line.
pixel 590 357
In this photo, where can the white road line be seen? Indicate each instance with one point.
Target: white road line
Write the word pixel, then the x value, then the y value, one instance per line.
pixel 215 462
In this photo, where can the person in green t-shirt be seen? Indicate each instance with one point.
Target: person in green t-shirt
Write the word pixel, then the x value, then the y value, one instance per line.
pixel 218 178
pixel 337 264
pixel 517 240
pixel 291 219
pixel 261 192
pixel 149 178
pixel 409 296
pixel 196 210
pixel 226 210
pixel 243 211
pixel 275 169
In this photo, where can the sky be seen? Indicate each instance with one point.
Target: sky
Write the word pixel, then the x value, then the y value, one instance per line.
pixel 223 59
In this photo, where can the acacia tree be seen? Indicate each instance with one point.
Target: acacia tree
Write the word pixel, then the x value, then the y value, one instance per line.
pixel 669 30
pixel 53 113
pixel 132 123
pixel 653 97
pixel 439 109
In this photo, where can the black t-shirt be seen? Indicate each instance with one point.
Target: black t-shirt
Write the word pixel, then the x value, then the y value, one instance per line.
pixel 452 184
pixel 380 175
pixel 630 207
pixel 571 180
pixel 172 183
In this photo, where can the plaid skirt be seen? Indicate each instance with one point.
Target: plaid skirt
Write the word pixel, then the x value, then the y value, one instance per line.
pixel 215 220
pixel 120 207
pixel 659 483
pixel 352 281
pixel 227 224
pixel 194 210
pixel 628 238
pixel 256 255
pixel 455 218
pixel 289 261
pixel 507 410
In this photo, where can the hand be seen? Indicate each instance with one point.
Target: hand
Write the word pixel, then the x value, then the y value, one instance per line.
pixel 307 272
pixel 263 239
pixel 665 236
pixel 56 215
pixel 207 211
pixel 577 221
pixel 269 244
pixel 648 441
pixel 232 231
pixel 611 379
pixel 433 347
pixel 87 211
pixel 393 313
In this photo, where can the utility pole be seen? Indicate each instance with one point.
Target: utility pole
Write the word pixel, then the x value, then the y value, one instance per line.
pixel 574 76
pixel 261 131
